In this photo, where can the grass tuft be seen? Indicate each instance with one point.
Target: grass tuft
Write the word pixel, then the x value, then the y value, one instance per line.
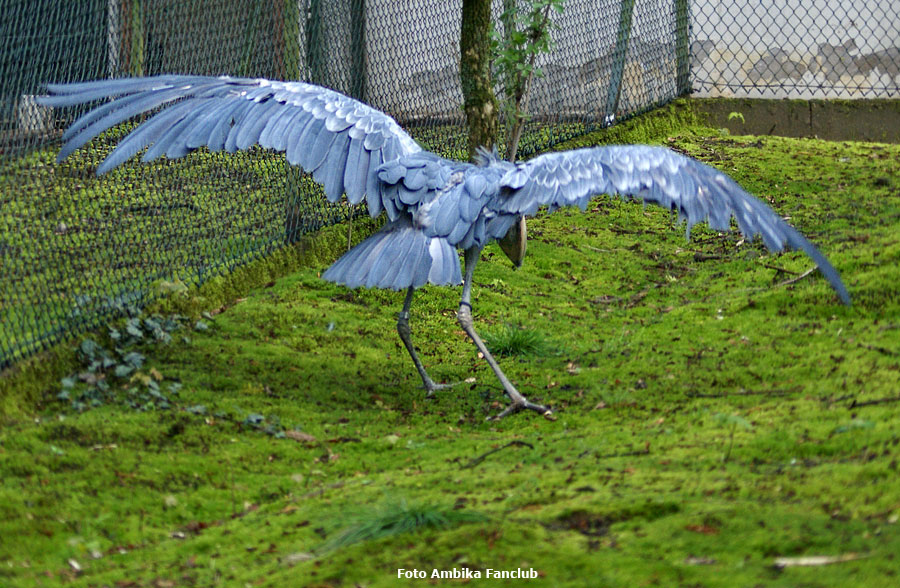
pixel 396 518
pixel 511 340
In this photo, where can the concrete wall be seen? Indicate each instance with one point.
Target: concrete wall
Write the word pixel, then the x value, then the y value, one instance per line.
pixel 835 120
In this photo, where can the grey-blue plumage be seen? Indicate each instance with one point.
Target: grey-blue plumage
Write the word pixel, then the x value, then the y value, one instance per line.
pixel 433 205
pixel 374 262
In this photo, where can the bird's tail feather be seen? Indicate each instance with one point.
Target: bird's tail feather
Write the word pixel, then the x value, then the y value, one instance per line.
pixel 397 256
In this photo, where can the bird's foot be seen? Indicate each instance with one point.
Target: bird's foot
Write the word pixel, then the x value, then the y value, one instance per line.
pixel 431 387
pixel 524 404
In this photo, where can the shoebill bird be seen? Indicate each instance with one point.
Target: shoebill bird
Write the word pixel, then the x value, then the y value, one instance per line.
pixel 433 206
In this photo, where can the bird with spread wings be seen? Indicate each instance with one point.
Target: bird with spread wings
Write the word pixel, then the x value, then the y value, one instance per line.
pixel 433 205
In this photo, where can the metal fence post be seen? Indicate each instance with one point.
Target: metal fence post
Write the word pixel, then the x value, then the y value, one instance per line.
pixel 682 47
pixel 358 50
pixel 620 54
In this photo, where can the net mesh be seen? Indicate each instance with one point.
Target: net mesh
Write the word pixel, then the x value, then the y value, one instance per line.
pixel 77 250
pixel 796 49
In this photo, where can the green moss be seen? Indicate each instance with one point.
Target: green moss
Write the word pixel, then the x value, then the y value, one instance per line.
pixel 711 417
pixel 26 385
pixel 679 117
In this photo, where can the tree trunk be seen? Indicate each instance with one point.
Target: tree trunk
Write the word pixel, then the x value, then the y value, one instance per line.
pixel 480 103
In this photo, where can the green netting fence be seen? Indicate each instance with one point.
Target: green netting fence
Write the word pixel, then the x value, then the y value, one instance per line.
pixel 76 250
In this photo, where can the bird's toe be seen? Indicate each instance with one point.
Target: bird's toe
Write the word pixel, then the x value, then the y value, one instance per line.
pixel 431 387
pixel 515 407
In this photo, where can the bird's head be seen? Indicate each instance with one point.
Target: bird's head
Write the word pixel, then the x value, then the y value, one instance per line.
pixel 484 157
pixel 514 242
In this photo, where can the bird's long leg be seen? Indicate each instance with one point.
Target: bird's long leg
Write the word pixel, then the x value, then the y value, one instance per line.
pixel 404 332
pixel 464 316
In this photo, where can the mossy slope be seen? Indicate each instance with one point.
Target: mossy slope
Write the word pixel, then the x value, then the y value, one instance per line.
pixel 710 417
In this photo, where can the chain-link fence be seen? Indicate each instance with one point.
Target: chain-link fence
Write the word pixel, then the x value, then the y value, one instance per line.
pixel 796 48
pixel 76 249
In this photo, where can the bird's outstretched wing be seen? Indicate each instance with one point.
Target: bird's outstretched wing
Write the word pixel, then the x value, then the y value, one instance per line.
pixel 340 140
pixel 695 191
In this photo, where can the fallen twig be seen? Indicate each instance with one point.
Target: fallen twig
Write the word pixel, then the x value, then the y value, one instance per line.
pixel 700 256
pixel 776 392
pixel 798 278
pixel 475 461
pixel 888 400
pixel 645 451
pixel 815 560
pixel 838 399
pixel 780 269
pixel 882 350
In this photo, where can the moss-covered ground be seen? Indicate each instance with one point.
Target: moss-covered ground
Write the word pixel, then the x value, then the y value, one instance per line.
pixel 713 416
